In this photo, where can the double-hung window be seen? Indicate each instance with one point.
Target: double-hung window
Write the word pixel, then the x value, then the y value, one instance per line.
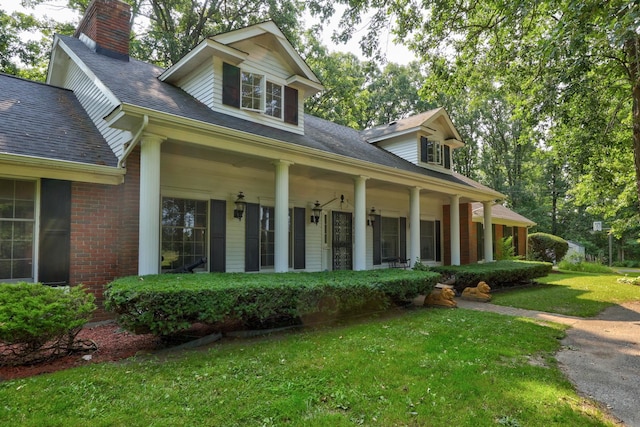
pixel 267 236
pixel 430 151
pixel 184 232
pixel 273 100
pixel 427 241
pixel 389 238
pixel 17 224
pixel 252 90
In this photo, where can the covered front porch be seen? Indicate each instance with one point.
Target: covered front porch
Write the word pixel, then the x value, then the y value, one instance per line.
pixel 301 211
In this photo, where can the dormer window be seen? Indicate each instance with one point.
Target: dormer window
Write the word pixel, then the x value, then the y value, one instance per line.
pixel 253 92
pixel 273 101
pixel 435 153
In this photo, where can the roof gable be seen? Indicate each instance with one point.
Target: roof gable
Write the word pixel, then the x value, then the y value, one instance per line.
pixel 426 122
pixel 48 122
pixel 232 47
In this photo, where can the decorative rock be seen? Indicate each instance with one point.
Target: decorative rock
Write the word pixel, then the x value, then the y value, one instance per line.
pixel 441 297
pixel 479 293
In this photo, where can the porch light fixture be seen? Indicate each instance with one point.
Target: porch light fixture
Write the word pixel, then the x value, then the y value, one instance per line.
pixel 371 216
pixel 240 206
pixel 317 211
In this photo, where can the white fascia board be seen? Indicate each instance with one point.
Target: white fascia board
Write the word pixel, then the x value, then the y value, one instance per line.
pixel 207 49
pixel 392 135
pixel 83 67
pixel 38 167
pixel 454 143
pixel 268 27
pixel 308 86
pixel 52 59
pixel 252 143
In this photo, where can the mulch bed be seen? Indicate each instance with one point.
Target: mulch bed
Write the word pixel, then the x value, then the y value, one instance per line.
pixel 112 342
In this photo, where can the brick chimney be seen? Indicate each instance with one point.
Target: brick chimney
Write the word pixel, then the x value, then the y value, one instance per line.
pixel 105 28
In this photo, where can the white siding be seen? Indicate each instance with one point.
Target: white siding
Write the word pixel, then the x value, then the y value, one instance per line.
pixel 313 245
pixel 277 74
pixel 200 83
pixel 97 105
pixel 406 147
pixel 204 179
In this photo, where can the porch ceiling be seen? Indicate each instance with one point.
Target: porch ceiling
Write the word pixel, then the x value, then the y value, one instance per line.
pixel 259 163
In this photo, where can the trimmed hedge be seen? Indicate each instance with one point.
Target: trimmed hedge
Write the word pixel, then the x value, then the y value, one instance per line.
pixel 499 274
pixel 546 247
pixel 166 304
pixel 39 322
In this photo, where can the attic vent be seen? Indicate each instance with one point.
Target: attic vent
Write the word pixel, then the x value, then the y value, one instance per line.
pixel 392 123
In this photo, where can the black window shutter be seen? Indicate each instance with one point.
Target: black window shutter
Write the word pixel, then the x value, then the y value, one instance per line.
pixel 403 238
pixel 290 105
pixel 447 157
pixel 423 149
pixel 252 237
pixel 218 236
pixel 299 238
pixel 230 85
pixel 377 249
pixel 55 232
pixel 438 243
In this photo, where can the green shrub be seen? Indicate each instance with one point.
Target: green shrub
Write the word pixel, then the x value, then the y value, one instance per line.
pixel 499 274
pixel 546 247
pixel 629 280
pixel 584 267
pixel 506 251
pixel 38 321
pixel 165 304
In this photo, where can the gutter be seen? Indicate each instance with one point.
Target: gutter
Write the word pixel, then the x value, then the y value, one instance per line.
pixel 133 142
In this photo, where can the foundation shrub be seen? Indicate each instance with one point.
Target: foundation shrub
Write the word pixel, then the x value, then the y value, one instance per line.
pixel 499 274
pixel 40 322
pixel 546 247
pixel 166 304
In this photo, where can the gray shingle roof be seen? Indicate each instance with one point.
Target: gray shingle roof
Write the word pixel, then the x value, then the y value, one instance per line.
pixel 137 83
pixel 399 126
pixel 501 212
pixel 45 121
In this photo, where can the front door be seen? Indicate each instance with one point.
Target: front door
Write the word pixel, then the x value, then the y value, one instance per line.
pixel 342 241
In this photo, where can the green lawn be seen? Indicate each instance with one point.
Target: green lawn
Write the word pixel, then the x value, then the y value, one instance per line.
pixel 574 294
pixel 422 367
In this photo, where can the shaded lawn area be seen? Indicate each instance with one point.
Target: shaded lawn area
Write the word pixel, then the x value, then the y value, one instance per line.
pixel 573 294
pixel 426 367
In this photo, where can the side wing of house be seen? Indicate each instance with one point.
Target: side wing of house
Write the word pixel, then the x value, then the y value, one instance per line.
pixel 54 167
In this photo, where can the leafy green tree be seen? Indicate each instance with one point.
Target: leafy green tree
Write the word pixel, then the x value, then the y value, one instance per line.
pixel 20 53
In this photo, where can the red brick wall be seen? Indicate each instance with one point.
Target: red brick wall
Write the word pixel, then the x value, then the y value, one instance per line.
pixel 104 232
pixel 522 241
pixel 106 22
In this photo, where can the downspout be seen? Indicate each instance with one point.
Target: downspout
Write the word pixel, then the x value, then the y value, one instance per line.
pixel 134 141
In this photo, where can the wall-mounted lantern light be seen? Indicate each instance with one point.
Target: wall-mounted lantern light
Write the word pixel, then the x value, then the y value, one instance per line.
pixel 317 211
pixel 240 206
pixel 371 217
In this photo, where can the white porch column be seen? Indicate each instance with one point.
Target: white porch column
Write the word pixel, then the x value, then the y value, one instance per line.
pixel 414 225
pixel 149 220
pixel 488 232
pixel 281 225
pixel 454 213
pixel 360 223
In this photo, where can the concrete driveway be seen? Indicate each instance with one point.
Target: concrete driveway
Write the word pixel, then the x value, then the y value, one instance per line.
pixel 599 355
